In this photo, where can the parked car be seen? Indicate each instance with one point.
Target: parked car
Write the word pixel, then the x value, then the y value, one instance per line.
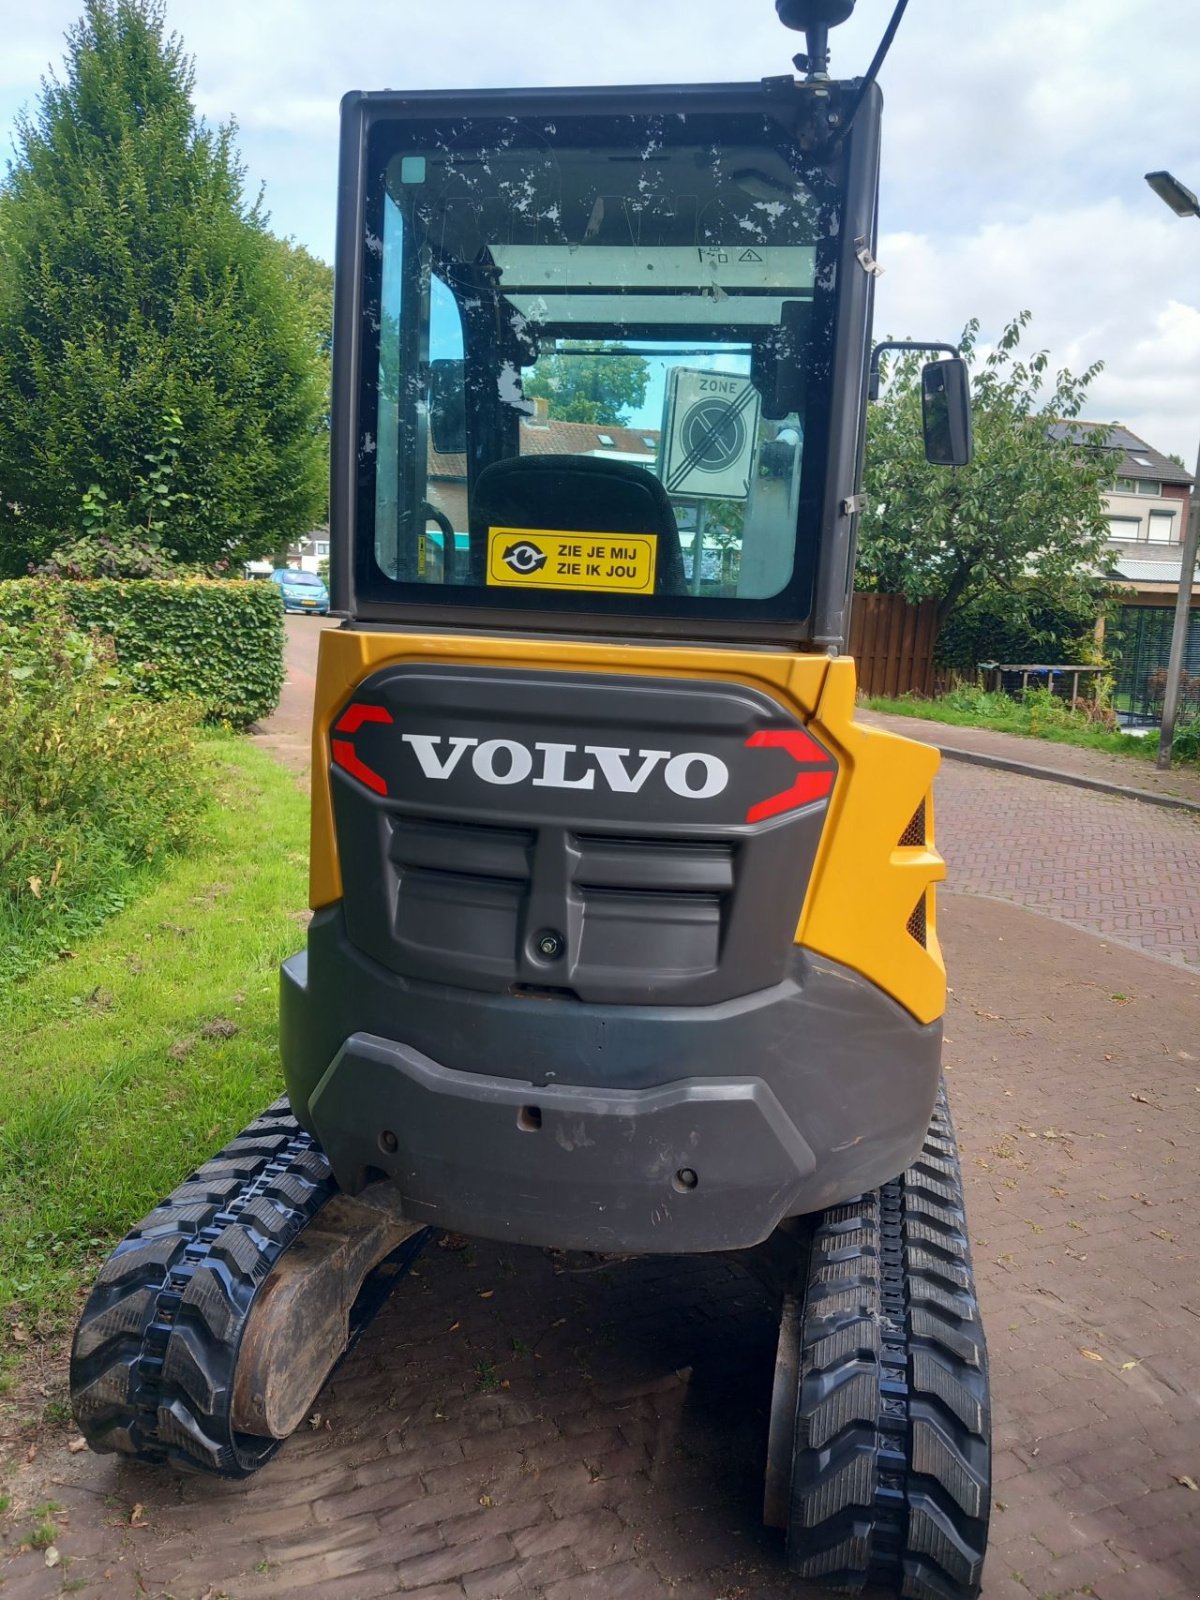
pixel 301 591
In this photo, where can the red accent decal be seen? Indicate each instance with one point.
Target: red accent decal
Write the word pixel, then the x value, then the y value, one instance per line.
pixel 353 717
pixel 813 782
pixel 345 757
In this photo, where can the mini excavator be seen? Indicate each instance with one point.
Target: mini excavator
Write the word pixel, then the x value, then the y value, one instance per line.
pixel 624 931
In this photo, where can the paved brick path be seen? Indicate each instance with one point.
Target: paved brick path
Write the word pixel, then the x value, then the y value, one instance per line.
pixel 1122 869
pixel 518 1423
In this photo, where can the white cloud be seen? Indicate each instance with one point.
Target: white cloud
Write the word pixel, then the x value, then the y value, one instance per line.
pixel 1015 139
pixel 1104 283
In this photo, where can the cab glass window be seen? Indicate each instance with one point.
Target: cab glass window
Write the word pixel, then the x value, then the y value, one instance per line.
pixel 597 364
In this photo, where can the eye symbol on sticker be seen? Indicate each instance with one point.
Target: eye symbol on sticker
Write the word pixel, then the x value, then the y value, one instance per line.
pixel 524 557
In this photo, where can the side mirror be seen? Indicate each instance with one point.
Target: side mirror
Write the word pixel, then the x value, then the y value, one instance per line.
pixel 946 410
pixel 448 407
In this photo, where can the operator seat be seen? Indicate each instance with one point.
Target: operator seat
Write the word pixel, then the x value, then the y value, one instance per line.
pixel 577 494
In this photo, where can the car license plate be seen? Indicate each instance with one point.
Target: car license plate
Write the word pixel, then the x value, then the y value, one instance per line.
pixel 308 602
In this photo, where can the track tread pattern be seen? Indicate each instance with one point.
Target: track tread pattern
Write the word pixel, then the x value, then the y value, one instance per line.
pixel 891 1475
pixel 153 1357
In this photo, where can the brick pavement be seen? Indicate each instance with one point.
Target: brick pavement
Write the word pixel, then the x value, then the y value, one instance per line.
pixel 520 1423
pixel 1128 871
pixel 517 1423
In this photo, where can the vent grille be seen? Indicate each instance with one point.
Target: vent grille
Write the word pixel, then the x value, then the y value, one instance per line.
pixel 916 923
pixel 915 834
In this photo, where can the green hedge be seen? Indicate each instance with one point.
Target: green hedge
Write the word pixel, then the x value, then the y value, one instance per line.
pixel 1017 626
pixel 95 784
pixel 217 642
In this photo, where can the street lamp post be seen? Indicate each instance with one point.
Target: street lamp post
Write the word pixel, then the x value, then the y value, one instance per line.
pixel 1184 204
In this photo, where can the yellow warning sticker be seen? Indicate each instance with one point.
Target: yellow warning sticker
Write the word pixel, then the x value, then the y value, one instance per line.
pixel 537 558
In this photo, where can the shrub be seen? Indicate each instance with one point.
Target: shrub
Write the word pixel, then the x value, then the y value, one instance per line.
pixel 1019 626
pixel 970 699
pixel 1186 744
pixel 219 643
pixel 95 782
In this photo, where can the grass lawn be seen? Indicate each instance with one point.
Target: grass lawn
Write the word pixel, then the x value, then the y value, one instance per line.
pixel 1031 718
pixel 131 1061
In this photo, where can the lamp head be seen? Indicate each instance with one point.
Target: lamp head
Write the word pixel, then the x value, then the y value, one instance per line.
pixel 1177 195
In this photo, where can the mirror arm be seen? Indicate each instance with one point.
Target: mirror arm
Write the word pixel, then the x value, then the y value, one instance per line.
pixel 901 344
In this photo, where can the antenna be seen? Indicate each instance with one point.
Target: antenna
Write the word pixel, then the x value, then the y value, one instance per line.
pixel 813 18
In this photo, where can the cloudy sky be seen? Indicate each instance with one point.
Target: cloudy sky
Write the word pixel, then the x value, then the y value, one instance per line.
pixel 1017 134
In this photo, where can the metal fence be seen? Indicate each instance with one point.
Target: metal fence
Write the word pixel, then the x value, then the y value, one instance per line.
pixel 1140 662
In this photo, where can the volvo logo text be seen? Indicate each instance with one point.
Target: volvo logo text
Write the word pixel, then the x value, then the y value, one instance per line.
pixel 692 774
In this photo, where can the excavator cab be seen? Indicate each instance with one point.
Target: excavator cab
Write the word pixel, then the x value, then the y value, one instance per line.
pixel 606 317
pixel 624 931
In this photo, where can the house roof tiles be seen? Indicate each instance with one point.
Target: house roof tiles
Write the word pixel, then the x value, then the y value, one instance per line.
pixel 554 438
pixel 1138 459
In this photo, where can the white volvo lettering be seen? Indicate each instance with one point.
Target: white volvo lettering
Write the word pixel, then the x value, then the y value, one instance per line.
pixel 517 768
pixel 433 765
pixel 610 758
pixel 554 768
pixel 692 775
pixel 675 775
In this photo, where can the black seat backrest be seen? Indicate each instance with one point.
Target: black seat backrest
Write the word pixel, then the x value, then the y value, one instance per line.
pixel 584 494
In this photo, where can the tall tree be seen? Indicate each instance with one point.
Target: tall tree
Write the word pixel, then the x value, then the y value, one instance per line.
pixel 151 345
pixel 1024 522
pixel 311 281
pixel 586 382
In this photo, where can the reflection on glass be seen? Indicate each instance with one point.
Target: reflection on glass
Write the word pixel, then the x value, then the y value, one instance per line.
pixel 647 315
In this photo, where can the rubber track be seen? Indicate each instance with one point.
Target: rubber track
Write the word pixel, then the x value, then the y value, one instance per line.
pixel 155 1349
pixel 891 1475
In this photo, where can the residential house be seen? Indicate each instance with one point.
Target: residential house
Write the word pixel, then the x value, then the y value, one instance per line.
pixel 541 436
pixel 310 552
pixel 1147 511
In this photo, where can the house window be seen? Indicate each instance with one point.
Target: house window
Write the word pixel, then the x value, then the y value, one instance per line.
pixel 1125 528
pixel 1151 486
pixel 322 549
pixel 1162 527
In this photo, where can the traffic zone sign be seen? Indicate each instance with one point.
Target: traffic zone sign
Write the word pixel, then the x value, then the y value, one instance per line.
pixel 711 429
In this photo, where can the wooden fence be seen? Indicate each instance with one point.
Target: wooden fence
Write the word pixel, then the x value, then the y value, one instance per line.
pixel 892 644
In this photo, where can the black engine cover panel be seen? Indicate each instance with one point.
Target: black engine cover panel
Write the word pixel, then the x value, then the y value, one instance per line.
pixel 620 839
